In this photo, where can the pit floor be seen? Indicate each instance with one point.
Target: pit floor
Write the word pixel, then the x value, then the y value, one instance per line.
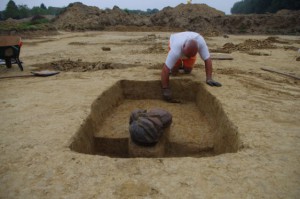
pixel 189 133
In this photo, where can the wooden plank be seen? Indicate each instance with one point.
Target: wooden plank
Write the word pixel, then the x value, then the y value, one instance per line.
pixel 220 56
pixel 281 73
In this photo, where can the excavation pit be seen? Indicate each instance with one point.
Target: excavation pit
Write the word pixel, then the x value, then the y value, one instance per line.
pixel 200 127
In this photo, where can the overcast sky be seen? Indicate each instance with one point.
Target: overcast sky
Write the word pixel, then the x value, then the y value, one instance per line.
pixel 223 5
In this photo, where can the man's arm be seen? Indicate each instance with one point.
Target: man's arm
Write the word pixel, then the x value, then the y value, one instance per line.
pixel 208 69
pixel 165 77
pixel 208 72
pixel 166 91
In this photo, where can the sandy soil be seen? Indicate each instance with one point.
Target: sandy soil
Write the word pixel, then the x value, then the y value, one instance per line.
pixel 40 115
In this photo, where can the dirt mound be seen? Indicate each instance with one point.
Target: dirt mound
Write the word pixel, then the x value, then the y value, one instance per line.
pixel 247 46
pixel 251 44
pixel 187 16
pixel 26 28
pixel 194 17
pixel 184 17
pixel 185 11
pixel 80 66
pixel 288 12
pixel 78 16
pixel 260 24
pixel 211 22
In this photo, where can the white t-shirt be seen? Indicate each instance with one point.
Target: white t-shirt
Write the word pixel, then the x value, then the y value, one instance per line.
pixel 177 41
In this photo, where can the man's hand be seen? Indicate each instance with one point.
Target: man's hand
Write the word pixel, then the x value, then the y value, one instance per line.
pixel 213 83
pixel 167 94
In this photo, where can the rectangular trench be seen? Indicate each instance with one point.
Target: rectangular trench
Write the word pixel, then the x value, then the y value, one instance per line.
pixel 204 132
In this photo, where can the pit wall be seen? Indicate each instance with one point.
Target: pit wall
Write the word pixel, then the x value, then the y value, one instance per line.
pixel 226 137
pixel 83 141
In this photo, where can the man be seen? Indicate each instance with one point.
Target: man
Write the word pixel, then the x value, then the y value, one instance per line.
pixel 183 49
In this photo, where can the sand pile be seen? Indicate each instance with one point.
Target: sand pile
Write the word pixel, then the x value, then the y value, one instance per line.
pixel 78 16
pixel 285 22
pixel 81 66
pixel 191 16
pixel 247 46
pixel 194 17
pixel 184 11
pixel 188 17
pixel 253 46
pixel 81 17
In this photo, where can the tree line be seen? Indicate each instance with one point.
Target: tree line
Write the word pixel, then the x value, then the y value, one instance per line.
pixel 22 11
pixel 264 6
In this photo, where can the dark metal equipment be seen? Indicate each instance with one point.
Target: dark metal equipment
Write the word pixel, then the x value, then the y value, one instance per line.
pixel 10 47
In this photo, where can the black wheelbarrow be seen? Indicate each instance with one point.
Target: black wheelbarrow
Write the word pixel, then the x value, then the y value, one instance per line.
pixel 10 47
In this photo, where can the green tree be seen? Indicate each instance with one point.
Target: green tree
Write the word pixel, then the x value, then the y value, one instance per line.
pixel 126 10
pixel 152 11
pixel 24 11
pixel 11 10
pixel 263 6
pixel 54 10
pixel 284 4
pixel 43 6
pixel 1 15
pixel 36 10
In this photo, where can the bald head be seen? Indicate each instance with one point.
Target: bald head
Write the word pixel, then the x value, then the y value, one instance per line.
pixel 190 48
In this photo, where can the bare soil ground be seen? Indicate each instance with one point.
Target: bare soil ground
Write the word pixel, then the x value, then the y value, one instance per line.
pixel 40 115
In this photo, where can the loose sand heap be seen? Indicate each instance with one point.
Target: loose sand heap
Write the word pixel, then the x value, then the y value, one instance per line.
pixel 250 45
pixel 78 16
pixel 187 17
pixel 80 66
pixel 195 17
